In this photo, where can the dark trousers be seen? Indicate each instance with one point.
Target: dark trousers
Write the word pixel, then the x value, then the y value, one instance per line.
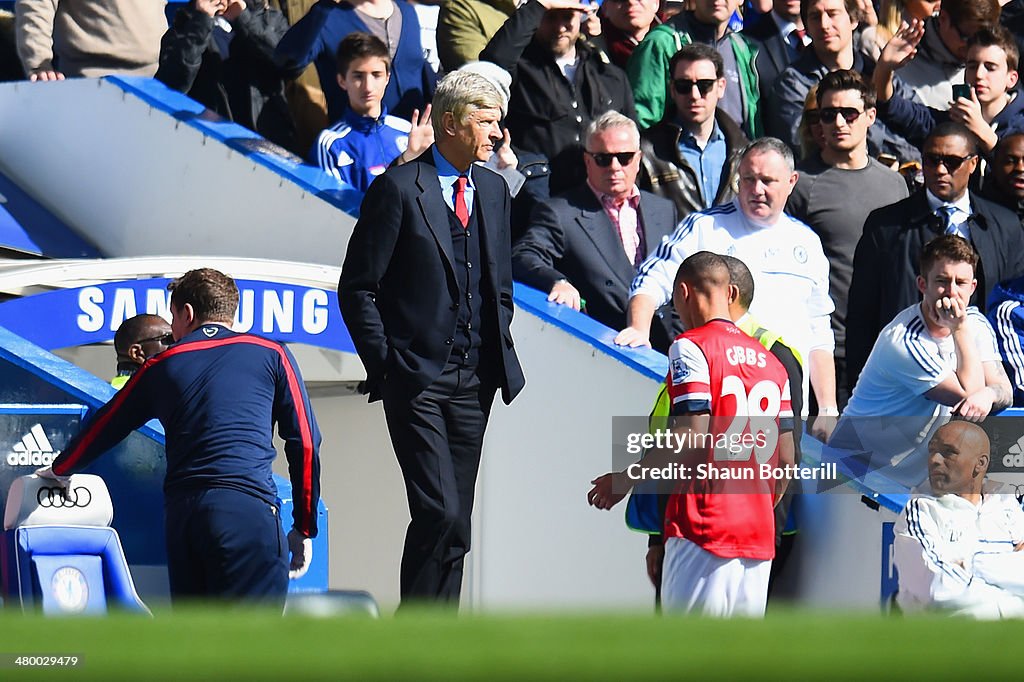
pixel 437 436
pixel 226 545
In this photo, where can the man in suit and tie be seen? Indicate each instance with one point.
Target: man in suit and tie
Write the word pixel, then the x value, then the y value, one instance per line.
pixel 780 38
pixel 426 293
pixel 585 244
pixel 885 264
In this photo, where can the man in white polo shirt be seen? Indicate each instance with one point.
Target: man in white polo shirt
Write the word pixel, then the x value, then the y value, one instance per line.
pixel 785 257
pixel 935 358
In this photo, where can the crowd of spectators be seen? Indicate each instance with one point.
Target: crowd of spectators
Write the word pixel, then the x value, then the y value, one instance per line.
pixel 637 133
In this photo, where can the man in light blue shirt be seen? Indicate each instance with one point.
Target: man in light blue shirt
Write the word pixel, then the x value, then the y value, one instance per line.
pixel 690 156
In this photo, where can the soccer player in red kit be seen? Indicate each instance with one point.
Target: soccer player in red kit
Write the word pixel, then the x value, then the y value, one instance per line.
pixel 732 425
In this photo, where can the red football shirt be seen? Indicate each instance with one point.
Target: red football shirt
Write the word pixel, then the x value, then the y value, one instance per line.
pixel 725 506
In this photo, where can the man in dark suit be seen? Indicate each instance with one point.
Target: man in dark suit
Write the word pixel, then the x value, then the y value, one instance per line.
pixel 426 293
pixel 885 263
pixel 780 38
pixel 585 244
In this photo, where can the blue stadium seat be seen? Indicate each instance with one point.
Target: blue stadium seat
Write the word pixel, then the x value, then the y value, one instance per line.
pixel 60 555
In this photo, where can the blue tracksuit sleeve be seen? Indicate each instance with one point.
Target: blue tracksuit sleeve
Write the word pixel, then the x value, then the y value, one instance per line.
pixel 913 120
pixel 297 427
pixel 129 409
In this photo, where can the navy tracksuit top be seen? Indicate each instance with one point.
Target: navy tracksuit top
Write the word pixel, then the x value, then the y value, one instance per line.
pixel 218 394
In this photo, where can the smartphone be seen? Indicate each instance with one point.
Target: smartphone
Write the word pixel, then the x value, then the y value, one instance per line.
pixel 963 90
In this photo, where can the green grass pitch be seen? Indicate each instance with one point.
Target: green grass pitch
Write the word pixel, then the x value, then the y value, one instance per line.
pixel 229 645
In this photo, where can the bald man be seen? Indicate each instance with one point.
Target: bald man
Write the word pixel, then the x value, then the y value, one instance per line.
pixel 959 549
pixel 719 523
pixel 138 339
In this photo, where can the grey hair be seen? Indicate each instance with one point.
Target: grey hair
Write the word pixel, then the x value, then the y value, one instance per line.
pixel 770 144
pixel 461 93
pixel 609 120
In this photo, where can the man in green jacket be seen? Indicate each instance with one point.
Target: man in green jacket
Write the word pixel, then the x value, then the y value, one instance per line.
pixel 707 23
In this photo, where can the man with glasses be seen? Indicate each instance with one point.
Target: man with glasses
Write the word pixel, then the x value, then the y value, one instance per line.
pixel 939 61
pixel 837 190
pixel 885 262
pixel 691 156
pixel 707 23
pixel 831 25
pixel 138 339
pixel 784 256
pixel 584 245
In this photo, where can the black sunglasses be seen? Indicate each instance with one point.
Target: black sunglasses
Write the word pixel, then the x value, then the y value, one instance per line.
pixel 684 86
pixel 952 163
pixel 604 159
pixel 849 114
pixel 164 339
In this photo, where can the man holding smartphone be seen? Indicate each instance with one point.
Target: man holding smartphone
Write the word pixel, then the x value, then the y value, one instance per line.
pixel 987 104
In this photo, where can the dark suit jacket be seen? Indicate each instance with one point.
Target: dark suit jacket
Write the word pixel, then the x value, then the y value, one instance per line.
pixel 571 237
pixel 885 265
pixel 774 53
pixel 398 293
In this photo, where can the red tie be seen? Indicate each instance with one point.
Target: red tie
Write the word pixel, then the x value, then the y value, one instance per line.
pixel 461 212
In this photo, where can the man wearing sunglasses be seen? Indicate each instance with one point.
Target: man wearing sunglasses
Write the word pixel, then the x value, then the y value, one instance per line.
pixel 691 156
pixel 831 25
pixel 138 339
pixel 707 23
pixel 839 187
pixel 885 266
pixel 583 246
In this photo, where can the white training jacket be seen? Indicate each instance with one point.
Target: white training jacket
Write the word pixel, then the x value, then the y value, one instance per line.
pixel 957 556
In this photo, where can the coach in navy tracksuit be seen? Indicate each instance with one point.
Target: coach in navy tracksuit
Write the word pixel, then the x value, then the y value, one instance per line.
pixel 218 394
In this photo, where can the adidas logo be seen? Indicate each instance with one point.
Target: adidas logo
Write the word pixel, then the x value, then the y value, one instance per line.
pixel 33 450
pixel 1015 457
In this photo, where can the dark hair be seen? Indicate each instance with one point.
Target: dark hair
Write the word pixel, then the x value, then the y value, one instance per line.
pixel 1002 143
pixel 984 13
pixel 212 294
pixel 953 129
pixel 703 269
pixel 740 277
pixel 949 247
pixel 360 46
pixel 846 79
pixel 135 329
pixel 697 52
pixel 852 9
pixel 997 36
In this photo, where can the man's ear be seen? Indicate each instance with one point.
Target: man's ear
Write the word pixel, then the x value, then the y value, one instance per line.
pixel 922 285
pixel 734 293
pixel 341 82
pixel 136 353
pixel 981 466
pixel 448 123
pixel 188 316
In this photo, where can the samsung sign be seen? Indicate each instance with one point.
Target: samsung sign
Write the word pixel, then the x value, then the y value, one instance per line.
pixel 74 317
